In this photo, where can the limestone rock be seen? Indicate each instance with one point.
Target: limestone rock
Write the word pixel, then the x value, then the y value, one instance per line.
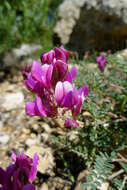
pixel 30 142
pixel 73 136
pixel 12 101
pixel 92 24
pixel 46 159
pixel 44 186
pixel 12 60
pixel 26 49
pixel 4 139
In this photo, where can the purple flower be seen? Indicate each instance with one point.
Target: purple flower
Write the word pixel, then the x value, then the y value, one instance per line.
pixel 67 96
pixel 26 70
pixel 70 75
pixel 20 173
pixel 42 106
pixel 59 72
pixel 71 123
pixel 101 60
pixel 52 82
pixel 33 85
pixel 53 55
pixel 29 187
pixel 47 58
pixel 61 54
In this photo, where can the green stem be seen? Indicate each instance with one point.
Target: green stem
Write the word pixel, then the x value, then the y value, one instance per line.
pixel 123 104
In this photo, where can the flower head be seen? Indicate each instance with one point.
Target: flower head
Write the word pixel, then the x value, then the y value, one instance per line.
pixel 53 84
pixel 20 173
pixel 101 60
pixel 53 55
pixel 68 96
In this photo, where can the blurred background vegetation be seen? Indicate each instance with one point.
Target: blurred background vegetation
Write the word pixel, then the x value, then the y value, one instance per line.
pixel 27 21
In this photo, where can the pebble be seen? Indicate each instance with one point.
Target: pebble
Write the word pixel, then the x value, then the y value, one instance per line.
pixel 4 139
pixel 46 159
pixel 32 135
pixel 30 142
pixel 44 186
pixel 26 131
pixel 47 128
pixel 12 100
pixel 44 137
pixel 35 127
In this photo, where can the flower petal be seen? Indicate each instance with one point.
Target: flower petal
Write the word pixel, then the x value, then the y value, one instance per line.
pixel 36 71
pixel 71 123
pixel 60 54
pixel 2 176
pixel 30 108
pixel 29 187
pixel 47 58
pixel 59 70
pixel 65 52
pixel 83 91
pixel 49 76
pixel 70 75
pixel 67 100
pixel 33 170
pixel 67 86
pixel 33 85
pixel 59 92
pixel 73 72
pixel 13 156
pixel 39 107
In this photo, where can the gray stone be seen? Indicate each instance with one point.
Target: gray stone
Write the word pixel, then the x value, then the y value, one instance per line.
pixel 46 159
pixel 26 50
pixel 30 142
pixel 12 60
pixel 12 100
pixel 46 128
pixel 73 136
pixel 4 139
pixel 92 24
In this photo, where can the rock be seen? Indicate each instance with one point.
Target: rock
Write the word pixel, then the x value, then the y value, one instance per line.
pixel 87 118
pixel 30 142
pixel 26 131
pixel 44 186
pixel 88 25
pixel 46 159
pixel 47 128
pixel 12 101
pixel 12 60
pixel 4 139
pixel 59 183
pixel 122 55
pixel 73 136
pixel 81 179
pixel 44 137
pixel 26 50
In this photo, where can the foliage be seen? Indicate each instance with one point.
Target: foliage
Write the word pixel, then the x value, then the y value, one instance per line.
pixel 26 21
pixel 104 114
pixel 103 172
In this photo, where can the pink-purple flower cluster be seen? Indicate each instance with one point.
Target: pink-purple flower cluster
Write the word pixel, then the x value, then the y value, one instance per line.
pixel 20 174
pixel 101 60
pixel 52 82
